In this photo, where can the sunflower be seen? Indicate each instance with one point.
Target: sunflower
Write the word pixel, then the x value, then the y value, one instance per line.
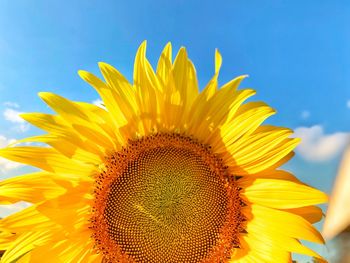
pixel 159 173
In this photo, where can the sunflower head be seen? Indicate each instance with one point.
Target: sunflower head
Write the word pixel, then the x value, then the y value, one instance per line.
pixel 162 172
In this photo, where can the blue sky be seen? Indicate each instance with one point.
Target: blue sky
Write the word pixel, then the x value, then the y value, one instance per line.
pixel 296 54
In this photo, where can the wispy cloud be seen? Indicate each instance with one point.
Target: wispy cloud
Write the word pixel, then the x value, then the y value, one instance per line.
pixel 6 210
pixel 317 146
pixel 13 116
pixel 348 104
pixel 5 141
pixel 11 104
pixel 99 102
pixel 305 114
pixel 6 165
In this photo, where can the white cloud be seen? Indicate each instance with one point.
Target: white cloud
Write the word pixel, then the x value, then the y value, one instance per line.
pixel 22 127
pixel 13 116
pixel 6 210
pixel 6 165
pixel 11 104
pixel 99 102
pixel 317 146
pixel 348 104
pixel 305 114
pixel 5 141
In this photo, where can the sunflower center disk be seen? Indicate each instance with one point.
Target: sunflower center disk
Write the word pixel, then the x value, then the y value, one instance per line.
pixel 168 200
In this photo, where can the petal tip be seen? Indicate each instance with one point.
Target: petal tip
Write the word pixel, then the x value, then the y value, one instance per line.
pixel 218 61
pixel 102 64
pixel 84 75
pixel 82 72
pixel 43 94
pixel 143 46
pixel 168 45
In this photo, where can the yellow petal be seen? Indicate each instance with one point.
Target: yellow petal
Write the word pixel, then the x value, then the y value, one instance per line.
pixel 247 119
pixel 103 119
pixel 109 97
pixel 260 150
pixel 6 239
pixel 46 159
pixel 75 115
pixel 211 115
pixel 67 148
pixel 148 90
pixel 48 122
pixel 63 107
pixel 313 214
pixel 180 90
pixel 285 223
pixel 165 64
pixel 200 104
pixel 280 193
pixel 268 161
pixel 78 247
pixel 276 240
pixel 218 61
pixel 233 83
pixel 55 125
pixel 273 174
pixel 180 72
pixel 33 188
pixel 124 93
pixel 254 250
pixel 63 212
pixel 100 115
pixel 216 113
pixel 24 243
pixel 212 85
pixel 28 218
pixel 264 139
pixel 95 136
pixel 26 258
